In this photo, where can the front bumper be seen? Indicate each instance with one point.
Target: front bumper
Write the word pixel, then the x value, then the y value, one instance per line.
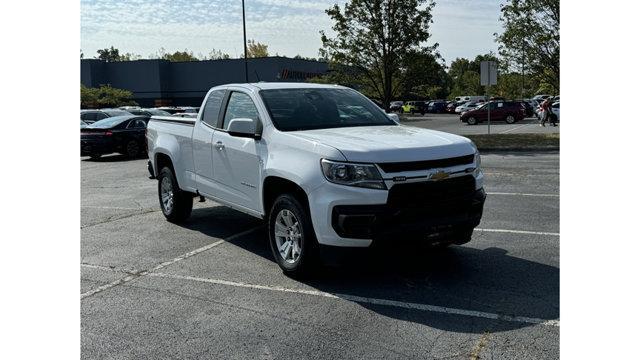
pixel 382 222
pixel 355 217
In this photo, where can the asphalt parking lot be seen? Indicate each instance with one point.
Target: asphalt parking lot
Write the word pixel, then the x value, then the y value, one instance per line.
pixel 210 289
pixel 451 123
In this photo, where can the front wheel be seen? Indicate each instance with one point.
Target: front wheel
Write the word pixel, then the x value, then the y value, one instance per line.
pixel 291 236
pixel 472 121
pixel 176 204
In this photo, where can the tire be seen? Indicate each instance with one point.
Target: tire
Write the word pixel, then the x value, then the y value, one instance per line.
pixel 510 119
pixel 132 150
pixel 472 120
pixel 459 237
pixel 290 223
pixel 176 204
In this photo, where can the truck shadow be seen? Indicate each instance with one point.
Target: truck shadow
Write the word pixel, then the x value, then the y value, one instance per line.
pixel 460 277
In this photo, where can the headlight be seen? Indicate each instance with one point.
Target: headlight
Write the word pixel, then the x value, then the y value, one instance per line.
pixel 478 162
pixel 361 175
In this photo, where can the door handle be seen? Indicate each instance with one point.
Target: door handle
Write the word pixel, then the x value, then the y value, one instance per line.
pixel 219 145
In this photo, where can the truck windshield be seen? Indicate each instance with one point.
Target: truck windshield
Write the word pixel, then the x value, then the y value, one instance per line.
pixel 308 109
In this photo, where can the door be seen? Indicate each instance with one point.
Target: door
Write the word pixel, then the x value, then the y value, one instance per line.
pixel 202 137
pixel 236 164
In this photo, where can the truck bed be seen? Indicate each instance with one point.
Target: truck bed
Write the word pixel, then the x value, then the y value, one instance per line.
pixel 171 135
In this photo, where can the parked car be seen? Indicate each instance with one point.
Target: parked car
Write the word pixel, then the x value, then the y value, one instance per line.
pixel 149 112
pixel 468 98
pixel 322 165
pixel 508 111
pixel 415 107
pixel 396 106
pixel 437 106
pixel 121 134
pixel 467 106
pixel 540 97
pixel 91 116
pixel 555 112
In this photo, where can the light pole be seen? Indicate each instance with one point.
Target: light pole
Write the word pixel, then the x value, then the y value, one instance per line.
pixel 244 36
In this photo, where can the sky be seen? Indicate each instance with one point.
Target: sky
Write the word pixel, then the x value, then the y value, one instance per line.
pixel 462 28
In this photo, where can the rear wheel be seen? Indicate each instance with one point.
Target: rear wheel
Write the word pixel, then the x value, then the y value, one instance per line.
pixel 510 119
pixel 176 204
pixel 291 236
pixel 133 149
pixel 471 120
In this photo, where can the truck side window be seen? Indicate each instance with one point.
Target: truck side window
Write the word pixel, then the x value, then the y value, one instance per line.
pixel 212 108
pixel 240 106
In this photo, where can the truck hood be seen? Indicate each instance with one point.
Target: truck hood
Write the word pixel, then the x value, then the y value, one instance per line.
pixel 399 143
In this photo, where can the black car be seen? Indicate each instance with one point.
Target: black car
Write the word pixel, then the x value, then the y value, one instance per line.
pixel 437 107
pixel 121 134
pixel 91 116
pixel 149 112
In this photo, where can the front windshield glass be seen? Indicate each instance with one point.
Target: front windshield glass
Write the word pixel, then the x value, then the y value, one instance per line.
pixel 308 109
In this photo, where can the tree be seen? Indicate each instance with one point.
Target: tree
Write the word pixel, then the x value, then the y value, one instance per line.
pixel 425 76
pixel 109 54
pixel 531 37
pixel 217 55
pixel 465 75
pixel 375 37
pixel 113 54
pixel 104 96
pixel 185 55
pixel 256 49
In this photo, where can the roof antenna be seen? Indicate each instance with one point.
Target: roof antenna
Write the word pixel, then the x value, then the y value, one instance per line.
pixel 258 76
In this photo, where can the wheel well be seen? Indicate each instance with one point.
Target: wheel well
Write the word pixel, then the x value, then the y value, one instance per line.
pixel 163 160
pixel 274 186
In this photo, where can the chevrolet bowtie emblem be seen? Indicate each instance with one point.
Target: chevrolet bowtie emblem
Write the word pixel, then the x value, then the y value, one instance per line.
pixel 439 175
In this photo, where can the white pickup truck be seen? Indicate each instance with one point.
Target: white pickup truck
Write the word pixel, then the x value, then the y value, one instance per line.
pixel 322 164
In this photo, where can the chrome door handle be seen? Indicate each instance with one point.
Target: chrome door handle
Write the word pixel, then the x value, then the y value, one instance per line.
pixel 219 145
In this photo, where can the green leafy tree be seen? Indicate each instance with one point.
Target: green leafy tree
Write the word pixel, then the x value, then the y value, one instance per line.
pixel 256 49
pixel 465 75
pixel 105 96
pixel 375 37
pixel 531 37
pixel 425 76
pixel 112 54
pixel 109 54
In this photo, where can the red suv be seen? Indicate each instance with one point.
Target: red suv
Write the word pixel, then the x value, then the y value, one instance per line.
pixel 508 111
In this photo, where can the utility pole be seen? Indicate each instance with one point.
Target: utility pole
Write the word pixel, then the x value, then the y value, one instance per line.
pixel 244 36
pixel 523 60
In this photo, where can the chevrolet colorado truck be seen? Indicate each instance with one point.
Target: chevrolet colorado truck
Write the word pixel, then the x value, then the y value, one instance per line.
pixel 322 165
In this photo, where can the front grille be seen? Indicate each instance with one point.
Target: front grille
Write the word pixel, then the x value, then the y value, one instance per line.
pixel 393 167
pixel 441 195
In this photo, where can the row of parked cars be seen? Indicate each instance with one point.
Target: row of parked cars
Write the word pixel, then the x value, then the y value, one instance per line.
pixel 121 130
pixel 473 109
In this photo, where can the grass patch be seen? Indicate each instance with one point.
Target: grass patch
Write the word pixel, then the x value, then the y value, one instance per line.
pixel 516 141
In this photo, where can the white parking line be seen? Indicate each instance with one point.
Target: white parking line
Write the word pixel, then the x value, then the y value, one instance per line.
pixel 159 266
pixel 517 232
pixel 366 300
pixel 522 194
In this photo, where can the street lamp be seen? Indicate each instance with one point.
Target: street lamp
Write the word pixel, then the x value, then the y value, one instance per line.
pixel 244 36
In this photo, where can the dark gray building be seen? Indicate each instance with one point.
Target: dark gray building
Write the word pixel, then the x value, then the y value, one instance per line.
pixel 165 83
